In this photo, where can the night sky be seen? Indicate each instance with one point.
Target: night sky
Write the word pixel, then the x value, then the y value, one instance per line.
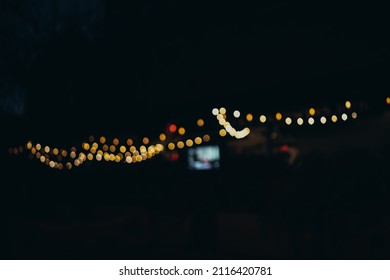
pixel 263 56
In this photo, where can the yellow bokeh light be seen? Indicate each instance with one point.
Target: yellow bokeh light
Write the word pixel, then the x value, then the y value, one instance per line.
pixel 278 116
pixel 206 137
pixel 112 157
pixel 133 149
pixel 334 118
pixel 82 156
pixel 387 100
pixel 189 143
pixel 90 156
pixel 222 110
pixel 117 158
pixel 249 117
pixel 93 150
pixel 182 131
pixel 312 111
pixel 222 121
pixel 85 146
pixel 200 122
pixel 171 146
pixel 68 165
pixel 129 159
pixel 139 158
pixel 311 121
pixel 299 121
pixel 122 149
pixel 198 140
pixel 95 145
pixel 323 120
pixel 142 149
pixel 163 137
pixel 55 151
pixel 288 121
pixel 33 150
pixel 64 153
pixel 151 150
pixel 263 119
pixel 72 154
pixel 51 164
pixel 347 104
pixel 102 140
pixel 98 157
pixel 29 145
pixel 222 132
pixel 42 159
pixel 180 144
pixel 38 146
pixel 47 149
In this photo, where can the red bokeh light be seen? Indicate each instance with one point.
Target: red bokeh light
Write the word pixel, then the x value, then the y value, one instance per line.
pixel 172 128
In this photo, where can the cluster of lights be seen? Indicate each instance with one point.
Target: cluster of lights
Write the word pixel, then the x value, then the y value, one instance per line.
pixel 127 152
pixel 101 150
pixel 220 114
pixel 310 117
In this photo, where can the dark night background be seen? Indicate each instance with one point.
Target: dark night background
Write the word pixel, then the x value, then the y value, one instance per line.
pixel 70 69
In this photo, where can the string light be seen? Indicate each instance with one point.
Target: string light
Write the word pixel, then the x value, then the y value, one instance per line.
pixel 59 158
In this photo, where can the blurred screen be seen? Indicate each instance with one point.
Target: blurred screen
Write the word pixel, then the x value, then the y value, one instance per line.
pixel 204 157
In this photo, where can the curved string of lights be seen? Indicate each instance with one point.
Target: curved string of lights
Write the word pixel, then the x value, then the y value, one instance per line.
pixel 128 152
